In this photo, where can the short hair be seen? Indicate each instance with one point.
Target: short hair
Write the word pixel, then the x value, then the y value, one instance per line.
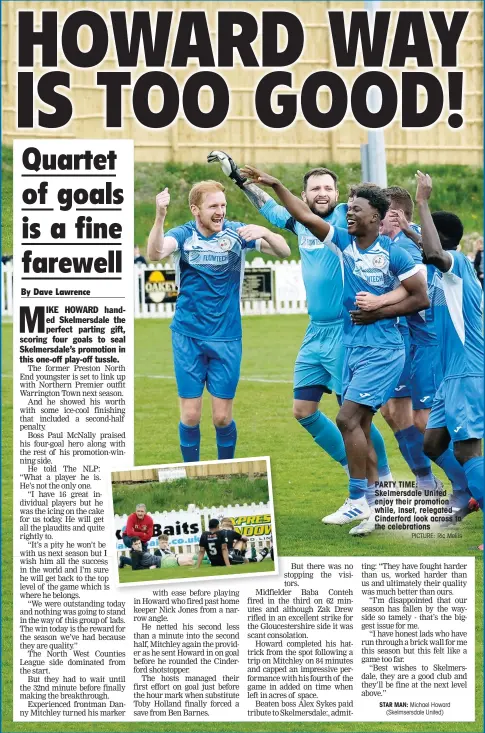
pixel 141 506
pixel 449 226
pixel 199 190
pixel 227 521
pixel 400 199
pixel 319 172
pixel 374 195
pixel 213 523
pixel 163 537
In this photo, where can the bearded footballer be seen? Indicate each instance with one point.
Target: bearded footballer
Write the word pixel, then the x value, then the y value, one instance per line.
pixel 318 367
pixel 374 354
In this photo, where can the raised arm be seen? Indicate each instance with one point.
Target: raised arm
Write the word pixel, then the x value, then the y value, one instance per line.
pixel 271 243
pixel 397 216
pixel 160 246
pixel 254 194
pixel 433 251
pixel 294 205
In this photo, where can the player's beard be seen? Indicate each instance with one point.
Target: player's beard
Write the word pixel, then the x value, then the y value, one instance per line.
pixel 315 209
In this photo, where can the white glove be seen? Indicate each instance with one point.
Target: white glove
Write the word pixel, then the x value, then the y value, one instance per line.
pixel 228 166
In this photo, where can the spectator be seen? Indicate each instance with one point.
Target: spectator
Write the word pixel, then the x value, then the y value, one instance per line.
pixel 139 525
pixel 139 259
pixel 140 559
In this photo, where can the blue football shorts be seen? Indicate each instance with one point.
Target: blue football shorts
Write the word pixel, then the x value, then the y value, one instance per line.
pixel 403 387
pixel 371 374
pixel 458 406
pixel 198 362
pixel 320 360
pixel 426 374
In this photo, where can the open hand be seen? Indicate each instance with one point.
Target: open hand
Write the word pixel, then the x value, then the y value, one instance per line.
pixel 366 301
pixel 425 186
pixel 254 175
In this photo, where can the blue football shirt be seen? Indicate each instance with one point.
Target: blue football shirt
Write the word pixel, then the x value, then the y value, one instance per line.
pixel 457 301
pixel 421 327
pixel 378 270
pixel 209 274
pixel 322 273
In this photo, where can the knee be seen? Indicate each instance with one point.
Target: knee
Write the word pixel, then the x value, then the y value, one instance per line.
pixel 345 422
pixel 420 419
pixel 221 419
pixel 465 450
pixel 302 409
pixel 191 417
pixel 432 448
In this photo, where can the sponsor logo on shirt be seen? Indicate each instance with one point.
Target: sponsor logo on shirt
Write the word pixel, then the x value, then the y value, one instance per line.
pixel 311 243
pixel 208 258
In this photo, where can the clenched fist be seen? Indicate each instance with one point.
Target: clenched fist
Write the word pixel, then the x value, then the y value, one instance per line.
pixel 252 231
pixel 162 202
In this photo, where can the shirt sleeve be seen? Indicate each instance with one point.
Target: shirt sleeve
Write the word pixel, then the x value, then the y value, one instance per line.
pixel 414 251
pixel 402 264
pixel 278 215
pixel 180 234
pixel 203 541
pixel 253 244
pixel 130 528
pixel 337 239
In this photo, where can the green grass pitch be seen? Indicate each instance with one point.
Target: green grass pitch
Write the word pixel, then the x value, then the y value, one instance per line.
pixel 306 485
pixel 127 575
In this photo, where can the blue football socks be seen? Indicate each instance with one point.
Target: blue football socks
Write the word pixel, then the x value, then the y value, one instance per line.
pixel 326 434
pixel 474 471
pixel 411 442
pixel 380 449
pixel 189 442
pixel 357 488
pixel 226 438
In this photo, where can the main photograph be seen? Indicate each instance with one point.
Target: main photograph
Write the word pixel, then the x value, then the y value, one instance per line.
pixel 314 293
pixel 355 259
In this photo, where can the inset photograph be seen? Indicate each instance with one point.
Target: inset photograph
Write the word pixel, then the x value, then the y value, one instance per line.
pixel 193 521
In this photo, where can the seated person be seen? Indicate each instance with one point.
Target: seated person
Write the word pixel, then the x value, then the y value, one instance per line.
pixel 168 556
pixel 140 560
pixel 237 544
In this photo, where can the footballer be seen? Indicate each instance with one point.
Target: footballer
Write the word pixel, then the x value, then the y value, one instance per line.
pixel 237 544
pixel 457 412
pixel 408 410
pixel 213 542
pixel 374 354
pixel 318 367
pixel 209 253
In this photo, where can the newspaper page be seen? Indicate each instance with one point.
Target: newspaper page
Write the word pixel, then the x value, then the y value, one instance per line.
pixel 242 366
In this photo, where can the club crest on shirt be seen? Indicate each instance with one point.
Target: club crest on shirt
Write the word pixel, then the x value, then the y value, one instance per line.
pixel 379 261
pixel 225 243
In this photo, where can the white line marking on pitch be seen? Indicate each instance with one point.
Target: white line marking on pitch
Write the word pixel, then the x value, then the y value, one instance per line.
pixel 171 376
pixel 242 379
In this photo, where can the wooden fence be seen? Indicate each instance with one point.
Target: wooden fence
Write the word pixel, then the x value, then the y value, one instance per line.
pixel 204 470
pixel 242 133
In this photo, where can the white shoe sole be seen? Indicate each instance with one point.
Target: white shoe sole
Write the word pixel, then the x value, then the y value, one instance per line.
pixel 363 528
pixel 345 520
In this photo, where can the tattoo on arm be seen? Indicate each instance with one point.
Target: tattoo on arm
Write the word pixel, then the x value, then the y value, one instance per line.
pixel 256 195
